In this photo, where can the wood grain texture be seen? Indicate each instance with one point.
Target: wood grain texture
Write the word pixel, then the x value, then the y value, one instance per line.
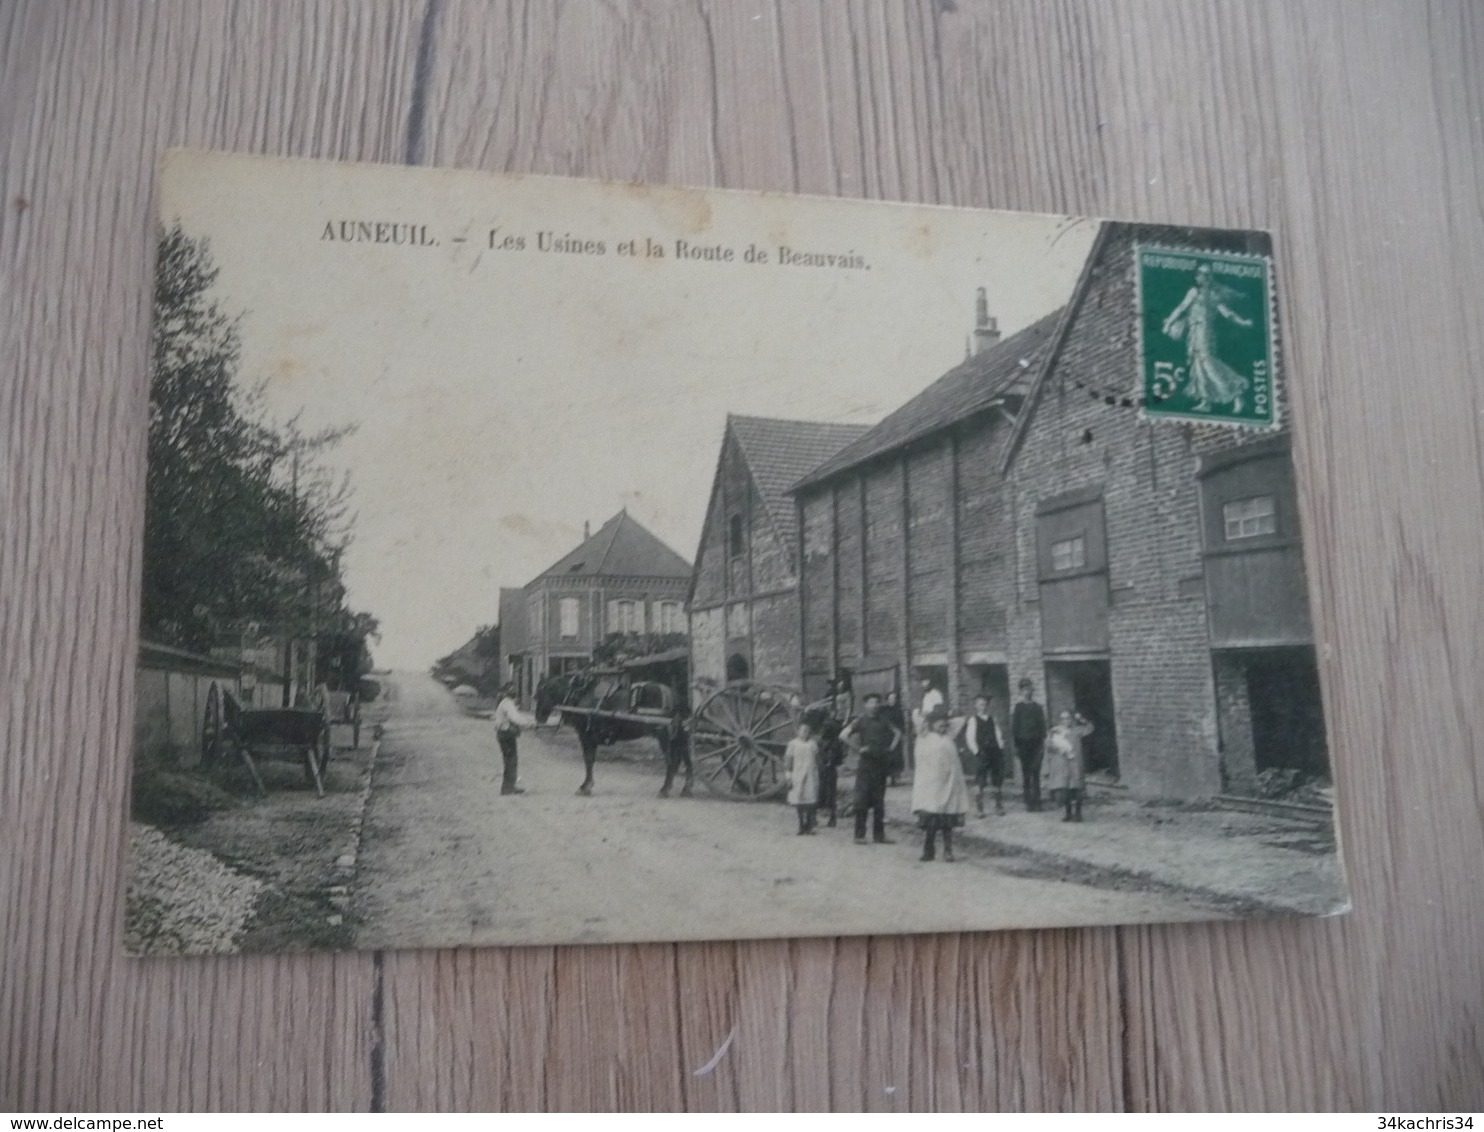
pixel 1355 133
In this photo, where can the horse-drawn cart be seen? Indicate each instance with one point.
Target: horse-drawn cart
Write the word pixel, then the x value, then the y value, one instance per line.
pixel 299 734
pixel 733 740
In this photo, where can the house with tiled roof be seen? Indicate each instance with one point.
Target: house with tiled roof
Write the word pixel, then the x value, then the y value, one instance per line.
pixel 620 579
pixel 744 611
pixel 906 534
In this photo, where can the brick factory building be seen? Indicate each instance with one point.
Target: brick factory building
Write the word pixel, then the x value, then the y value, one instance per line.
pixel 906 544
pixel 1021 518
pixel 744 611
pixel 1158 569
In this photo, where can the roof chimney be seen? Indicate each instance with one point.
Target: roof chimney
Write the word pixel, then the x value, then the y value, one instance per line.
pixel 986 329
pixel 587 530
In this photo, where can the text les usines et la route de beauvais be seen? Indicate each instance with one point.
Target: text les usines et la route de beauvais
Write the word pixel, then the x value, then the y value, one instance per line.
pixel 400 234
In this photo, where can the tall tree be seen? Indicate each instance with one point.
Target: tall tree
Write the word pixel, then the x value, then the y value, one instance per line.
pixel 243 523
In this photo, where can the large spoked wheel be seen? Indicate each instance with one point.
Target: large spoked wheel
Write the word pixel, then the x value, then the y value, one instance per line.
pixel 738 735
pixel 213 727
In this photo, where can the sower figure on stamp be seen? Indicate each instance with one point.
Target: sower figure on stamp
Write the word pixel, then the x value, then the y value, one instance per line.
pixel 982 740
pixel 1210 379
pixel 1028 733
pixel 509 720
pixel 876 743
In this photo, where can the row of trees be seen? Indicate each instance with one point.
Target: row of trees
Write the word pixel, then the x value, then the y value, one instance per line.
pixel 476 662
pixel 245 522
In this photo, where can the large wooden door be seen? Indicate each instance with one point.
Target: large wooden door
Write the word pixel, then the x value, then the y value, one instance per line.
pixel 1072 565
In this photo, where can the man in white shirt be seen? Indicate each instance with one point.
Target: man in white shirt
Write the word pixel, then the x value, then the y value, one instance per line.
pixel 509 720
pixel 931 698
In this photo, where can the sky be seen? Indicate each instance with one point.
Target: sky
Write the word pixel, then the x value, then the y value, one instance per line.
pixel 506 389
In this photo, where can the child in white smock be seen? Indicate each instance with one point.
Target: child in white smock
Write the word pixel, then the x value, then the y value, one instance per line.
pixel 801 764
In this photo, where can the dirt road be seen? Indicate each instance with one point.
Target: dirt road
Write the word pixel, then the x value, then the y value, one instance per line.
pixel 447 861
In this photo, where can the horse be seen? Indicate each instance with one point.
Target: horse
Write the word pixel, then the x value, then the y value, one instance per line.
pixel 601 694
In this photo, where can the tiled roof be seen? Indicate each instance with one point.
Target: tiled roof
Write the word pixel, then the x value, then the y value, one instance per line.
pixel 779 453
pixel 621 547
pixel 972 385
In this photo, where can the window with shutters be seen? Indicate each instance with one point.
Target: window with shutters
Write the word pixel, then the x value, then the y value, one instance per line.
pixel 625 617
pixel 671 618
pixel 567 613
pixel 1072 553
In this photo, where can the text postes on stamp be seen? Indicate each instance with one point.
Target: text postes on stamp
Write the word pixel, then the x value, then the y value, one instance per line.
pixel 1206 337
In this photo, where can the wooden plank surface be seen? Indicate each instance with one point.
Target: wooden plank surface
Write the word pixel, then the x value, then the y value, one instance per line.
pixel 1355 132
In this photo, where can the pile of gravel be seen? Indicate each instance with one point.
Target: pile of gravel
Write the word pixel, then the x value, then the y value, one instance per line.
pixel 182 900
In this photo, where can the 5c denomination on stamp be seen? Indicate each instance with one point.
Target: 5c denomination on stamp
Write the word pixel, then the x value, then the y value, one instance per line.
pixel 1206 344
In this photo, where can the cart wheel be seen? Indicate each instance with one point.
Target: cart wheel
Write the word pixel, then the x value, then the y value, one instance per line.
pixel 738 735
pixel 213 727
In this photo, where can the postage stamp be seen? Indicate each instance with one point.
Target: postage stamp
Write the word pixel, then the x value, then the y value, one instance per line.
pixel 1206 337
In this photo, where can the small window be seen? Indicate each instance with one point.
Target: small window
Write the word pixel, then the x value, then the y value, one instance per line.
pixel 670 619
pixel 625 617
pixel 1069 554
pixel 739 624
pixel 735 536
pixel 567 609
pixel 1250 518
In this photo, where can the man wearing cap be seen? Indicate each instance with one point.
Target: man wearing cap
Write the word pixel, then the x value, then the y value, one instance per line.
pixel 1028 733
pixel 875 742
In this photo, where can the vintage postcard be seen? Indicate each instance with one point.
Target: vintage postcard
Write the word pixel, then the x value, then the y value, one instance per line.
pixel 537 561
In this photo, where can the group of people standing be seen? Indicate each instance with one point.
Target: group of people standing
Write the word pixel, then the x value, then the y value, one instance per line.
pixel 878 737
pixel 813 758
pixel 943 748
pixel 1055 749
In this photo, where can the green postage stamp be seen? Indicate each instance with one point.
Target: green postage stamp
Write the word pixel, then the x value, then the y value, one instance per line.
pixel 1206 337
